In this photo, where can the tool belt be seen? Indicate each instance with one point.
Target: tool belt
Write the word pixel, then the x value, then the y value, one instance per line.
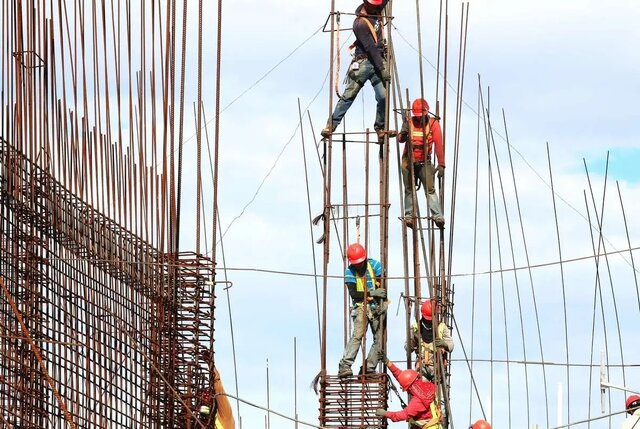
pixel 361 57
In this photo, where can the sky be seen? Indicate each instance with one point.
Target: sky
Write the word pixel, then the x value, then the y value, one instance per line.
pixel 565 74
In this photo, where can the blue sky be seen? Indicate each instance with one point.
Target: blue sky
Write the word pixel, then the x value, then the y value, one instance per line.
pixel 565 73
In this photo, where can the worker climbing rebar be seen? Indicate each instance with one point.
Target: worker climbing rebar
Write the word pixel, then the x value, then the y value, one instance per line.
pixel 368 64
pixel 363 281
pixel 421 132
pixel 423 410
pixel 425 343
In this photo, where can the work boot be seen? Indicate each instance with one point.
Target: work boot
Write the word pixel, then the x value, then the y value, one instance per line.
pixel 439 220
pixel 408 222
pixel 326 132
pixel 364 370
pixel 345 372
pixel 381 133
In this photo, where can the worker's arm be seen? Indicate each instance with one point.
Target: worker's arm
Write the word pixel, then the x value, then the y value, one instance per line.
pixel 446 337
pixel 436 134
pixel 414 408
pixel 353 293
pixel 404 132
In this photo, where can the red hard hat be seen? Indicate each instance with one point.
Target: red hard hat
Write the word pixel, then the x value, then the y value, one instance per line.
pixel 356 253
pixel 427 310
pixel 632 403
pixel 480 424
pixel 406 378
pixel 374 2
pixel 420 107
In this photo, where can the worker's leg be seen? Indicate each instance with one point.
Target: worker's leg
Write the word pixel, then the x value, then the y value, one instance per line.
pixel 358 318
pixel 428 177
pixel 381 98
pixel 350 93
pixel 376 321
pixel 408 187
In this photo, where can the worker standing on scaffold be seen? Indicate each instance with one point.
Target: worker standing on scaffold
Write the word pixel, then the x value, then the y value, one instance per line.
pixel 417 130
pixel 362 273
pixel 368 64
pixel 632 404
pixel 426 343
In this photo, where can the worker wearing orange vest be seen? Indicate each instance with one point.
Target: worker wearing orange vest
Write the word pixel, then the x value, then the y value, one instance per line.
pixel 368 64
pixel 632 404
pixel 417 131
pixel 363 281
pixel 425 342
pixel 422 410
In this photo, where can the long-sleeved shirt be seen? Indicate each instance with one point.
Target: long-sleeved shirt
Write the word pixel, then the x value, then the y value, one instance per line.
pixel 423 393
pixel 365 42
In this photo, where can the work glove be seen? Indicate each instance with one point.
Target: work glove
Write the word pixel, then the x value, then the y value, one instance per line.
pixel 385 75
pixel 380 412
pixel 440 171
pixel 378 293
pixel 439 342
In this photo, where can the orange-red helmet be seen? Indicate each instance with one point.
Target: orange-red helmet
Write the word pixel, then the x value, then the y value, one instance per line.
pixel 420 107
pixel 356 253
pixel 632 403
pixel 427 310
pixel 374 2
pixel 480 424
pixel 406 378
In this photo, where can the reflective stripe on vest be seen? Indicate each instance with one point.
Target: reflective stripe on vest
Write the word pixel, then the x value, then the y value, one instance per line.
pixel 360 281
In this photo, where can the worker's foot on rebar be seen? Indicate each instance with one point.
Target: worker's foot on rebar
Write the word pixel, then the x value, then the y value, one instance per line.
pixel 345 372
pixel 408 222
pixel 381 133
pixel 439 220
pixel 364 370
pixel 326 132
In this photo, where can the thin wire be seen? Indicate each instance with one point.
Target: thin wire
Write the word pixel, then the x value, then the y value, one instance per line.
pixel 626 229
pixel 564 292
pixel 526 252
pixel 522 331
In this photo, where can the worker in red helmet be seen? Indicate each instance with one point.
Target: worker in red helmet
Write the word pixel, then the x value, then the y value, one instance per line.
pixel 423 133
pixel 368 64
pixel 632 405
pixel 480 424
pixel 363 279
pixel 422 409
pixel 424 343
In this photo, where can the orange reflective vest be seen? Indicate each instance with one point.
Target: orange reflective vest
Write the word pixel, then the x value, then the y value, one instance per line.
pixel 418 136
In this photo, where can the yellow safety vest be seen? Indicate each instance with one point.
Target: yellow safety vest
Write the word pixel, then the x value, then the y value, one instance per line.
pixel 362 281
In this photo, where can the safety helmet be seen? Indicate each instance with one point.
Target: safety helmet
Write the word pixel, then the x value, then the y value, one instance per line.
pixel 427 310
pixel 406 378
pixel 374 2
pixel 420 107
pixel 480 424
pixel 356 253
pixel 632 403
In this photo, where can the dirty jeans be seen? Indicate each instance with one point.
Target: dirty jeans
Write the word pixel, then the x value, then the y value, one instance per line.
pixel 358 78
pixel 375 320
pixel 424 172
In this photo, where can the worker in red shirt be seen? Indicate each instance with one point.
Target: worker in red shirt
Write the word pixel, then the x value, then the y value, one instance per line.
pixel 416 131
pixel 422 409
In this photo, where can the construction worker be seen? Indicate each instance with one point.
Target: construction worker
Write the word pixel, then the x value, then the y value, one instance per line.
pixel 480 424
pixel 423 341
pixel 422 410
pixel 418 130
pixel 363 276
pixel 368 64
pixel 632 404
